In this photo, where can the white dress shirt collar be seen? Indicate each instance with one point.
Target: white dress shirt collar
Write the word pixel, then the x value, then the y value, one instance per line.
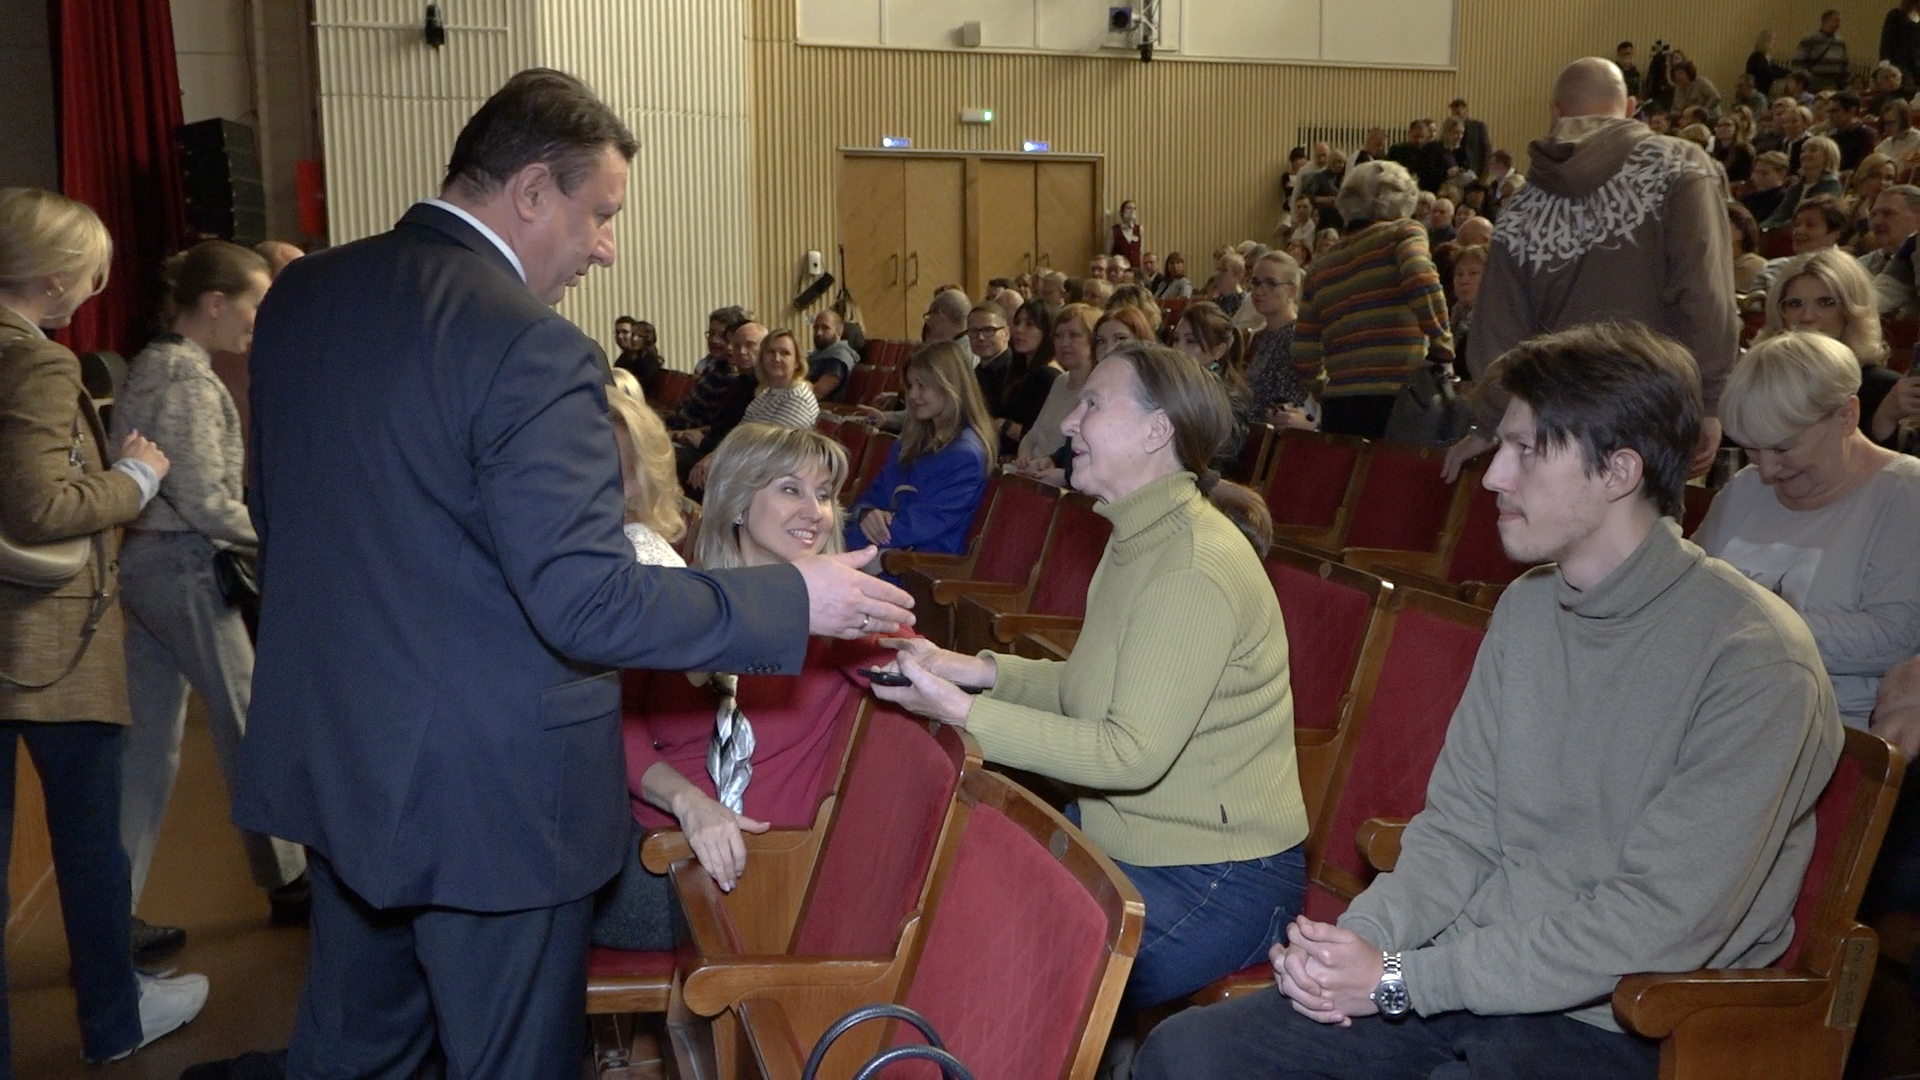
pixel 482 228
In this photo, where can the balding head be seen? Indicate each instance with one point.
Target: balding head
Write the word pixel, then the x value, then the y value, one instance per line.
pixel 1591 86
pixel 1475 230
pixel 278 254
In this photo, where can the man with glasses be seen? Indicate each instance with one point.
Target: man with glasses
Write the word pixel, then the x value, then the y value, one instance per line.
pixel 993 358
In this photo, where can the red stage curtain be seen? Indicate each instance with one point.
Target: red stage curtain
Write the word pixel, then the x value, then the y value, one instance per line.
pixel 119 105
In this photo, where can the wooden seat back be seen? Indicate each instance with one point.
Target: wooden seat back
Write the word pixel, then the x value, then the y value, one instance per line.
pixel 1403 504
pixel 1250 467
pixel 1478 555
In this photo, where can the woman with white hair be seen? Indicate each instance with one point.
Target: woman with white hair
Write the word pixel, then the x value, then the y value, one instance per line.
pixel 1822 517
pixel 1372 309
pixel 1819 157
pixel 1828 292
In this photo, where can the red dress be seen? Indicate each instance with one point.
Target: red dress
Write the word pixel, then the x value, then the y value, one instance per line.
pixel 667 718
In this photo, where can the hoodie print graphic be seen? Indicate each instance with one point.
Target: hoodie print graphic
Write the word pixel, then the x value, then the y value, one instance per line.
pixel 1543 231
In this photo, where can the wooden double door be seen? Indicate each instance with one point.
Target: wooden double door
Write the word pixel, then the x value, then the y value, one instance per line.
pixel 911 224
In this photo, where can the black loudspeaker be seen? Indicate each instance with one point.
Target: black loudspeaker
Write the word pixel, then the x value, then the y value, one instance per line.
pixel 220 170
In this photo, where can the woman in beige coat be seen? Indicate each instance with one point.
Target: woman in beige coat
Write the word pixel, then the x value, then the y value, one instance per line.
pixel 62 670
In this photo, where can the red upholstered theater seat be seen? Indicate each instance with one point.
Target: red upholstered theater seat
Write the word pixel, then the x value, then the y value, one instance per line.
pixel 1413 674
pixel 888 834
pixel 882 841
pixel 1011 545
pixel 673 389
pixel 1403 502
pixel 1477 553
pixel 1776 243
pixel 871 462
pixel 1018 964
pixel 1901 335
pixel 1310 486
pixel 828 425
pixel 1250 467
pixel 992 617
pixel 1697 501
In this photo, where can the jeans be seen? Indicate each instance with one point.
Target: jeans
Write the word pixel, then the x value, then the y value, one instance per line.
pixel 180 631
pixel 1261 1037
pixel 1207 920
pixel 79 767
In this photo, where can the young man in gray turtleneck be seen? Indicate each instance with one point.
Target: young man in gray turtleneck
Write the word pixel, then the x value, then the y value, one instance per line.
pixel 1627 785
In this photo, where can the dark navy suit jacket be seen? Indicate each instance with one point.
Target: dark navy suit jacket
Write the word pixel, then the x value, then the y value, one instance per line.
pixel 445 586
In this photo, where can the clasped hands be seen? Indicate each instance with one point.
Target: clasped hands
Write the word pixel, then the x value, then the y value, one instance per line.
pixel 937 676
pixel 1328 972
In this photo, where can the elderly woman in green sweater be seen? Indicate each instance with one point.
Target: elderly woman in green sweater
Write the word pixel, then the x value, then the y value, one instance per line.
pixel 1175 713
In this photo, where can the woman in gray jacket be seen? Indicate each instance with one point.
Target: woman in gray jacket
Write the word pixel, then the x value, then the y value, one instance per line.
pixel 180 629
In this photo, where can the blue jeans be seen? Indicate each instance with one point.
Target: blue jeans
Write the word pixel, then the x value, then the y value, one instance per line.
pixel 79 767
pixel 1207 920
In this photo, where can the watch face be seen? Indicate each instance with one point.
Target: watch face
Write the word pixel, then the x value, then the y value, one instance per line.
pixel 1392 998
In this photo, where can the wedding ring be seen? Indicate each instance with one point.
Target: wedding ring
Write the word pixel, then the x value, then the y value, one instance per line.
pixel 864 620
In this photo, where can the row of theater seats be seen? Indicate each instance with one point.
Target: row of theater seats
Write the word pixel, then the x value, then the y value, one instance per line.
pixel 924 881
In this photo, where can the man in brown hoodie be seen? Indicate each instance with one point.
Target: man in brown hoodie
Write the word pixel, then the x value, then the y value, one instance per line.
pixel 1616 223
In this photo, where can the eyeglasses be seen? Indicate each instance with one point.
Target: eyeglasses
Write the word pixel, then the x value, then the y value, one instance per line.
pixel 1268 283
pixel 985 330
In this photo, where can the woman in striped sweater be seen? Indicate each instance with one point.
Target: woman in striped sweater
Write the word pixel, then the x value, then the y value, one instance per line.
pixel 1372 309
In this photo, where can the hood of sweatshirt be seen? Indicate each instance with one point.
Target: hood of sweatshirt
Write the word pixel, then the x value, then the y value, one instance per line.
pixel 1583 152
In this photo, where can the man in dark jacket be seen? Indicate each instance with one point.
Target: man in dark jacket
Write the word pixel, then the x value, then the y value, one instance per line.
pixel 1616 224
pixel 1477 144
pixel 1422 155
pixel 446 597
pixel 1900 39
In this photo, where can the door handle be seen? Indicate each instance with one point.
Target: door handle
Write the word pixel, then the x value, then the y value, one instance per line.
pixel 914 258
pixel 1046 259
pixel 893 261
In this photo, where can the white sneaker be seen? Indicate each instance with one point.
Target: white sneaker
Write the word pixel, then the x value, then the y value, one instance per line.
pixel 167 1003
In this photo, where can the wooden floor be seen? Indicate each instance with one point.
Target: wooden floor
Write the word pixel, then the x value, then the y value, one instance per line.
pixel 199 880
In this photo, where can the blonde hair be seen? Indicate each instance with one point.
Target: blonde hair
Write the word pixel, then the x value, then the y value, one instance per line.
pixel 648 457
pixel 1784 385
pixel 1470 253
pixel 1843 274
pixel 44 234
pixel 748 459
pixel 799 358
pixel 1290 272
pixel 944 366
pixel 1829 154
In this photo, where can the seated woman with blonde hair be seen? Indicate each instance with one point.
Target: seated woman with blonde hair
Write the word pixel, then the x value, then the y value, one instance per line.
pixel 647 479
pixel 1173 714
pixel 1822 517
pixel 1827 292
pixel 771 499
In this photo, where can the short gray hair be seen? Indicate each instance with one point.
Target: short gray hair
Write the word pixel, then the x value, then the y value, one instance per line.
pixel 1785 385
pixel 1906 191
pixel 1377 191
pixel 953 304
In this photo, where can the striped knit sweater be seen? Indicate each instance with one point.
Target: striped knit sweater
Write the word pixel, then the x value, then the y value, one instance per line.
pixel 1371 311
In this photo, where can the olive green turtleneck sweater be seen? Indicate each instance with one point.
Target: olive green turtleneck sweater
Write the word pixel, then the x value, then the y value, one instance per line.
pixel 1176 705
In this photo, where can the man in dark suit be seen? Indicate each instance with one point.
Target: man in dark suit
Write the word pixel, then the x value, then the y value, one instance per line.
pixel 1422 155
pixel 446 591
pixel 1477 144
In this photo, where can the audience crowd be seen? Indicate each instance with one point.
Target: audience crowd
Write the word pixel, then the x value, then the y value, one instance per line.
pixel 1673 276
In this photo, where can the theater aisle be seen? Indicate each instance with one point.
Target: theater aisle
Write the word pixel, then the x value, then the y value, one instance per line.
pixel 199 881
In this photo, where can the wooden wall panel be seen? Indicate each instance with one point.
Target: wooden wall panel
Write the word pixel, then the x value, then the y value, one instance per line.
pixel 1200 145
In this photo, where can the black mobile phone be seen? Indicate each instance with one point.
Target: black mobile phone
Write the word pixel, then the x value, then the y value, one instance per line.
pixel 878 677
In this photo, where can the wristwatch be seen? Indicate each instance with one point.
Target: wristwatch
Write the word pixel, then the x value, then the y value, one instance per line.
pixel 1391 994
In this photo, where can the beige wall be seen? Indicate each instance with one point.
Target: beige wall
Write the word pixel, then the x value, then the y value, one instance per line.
pixel 1200 145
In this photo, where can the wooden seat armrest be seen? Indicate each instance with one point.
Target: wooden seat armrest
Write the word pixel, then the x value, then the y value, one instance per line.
pixel 1379 842
pixel 664 847
pixel 769 1031
pixel 714 985
pixel 1425 569
pixel 949 592
pixel 1237 985
pixel 708 921
pixel 1654 1005
pixel 1010 625
pixel 900 561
